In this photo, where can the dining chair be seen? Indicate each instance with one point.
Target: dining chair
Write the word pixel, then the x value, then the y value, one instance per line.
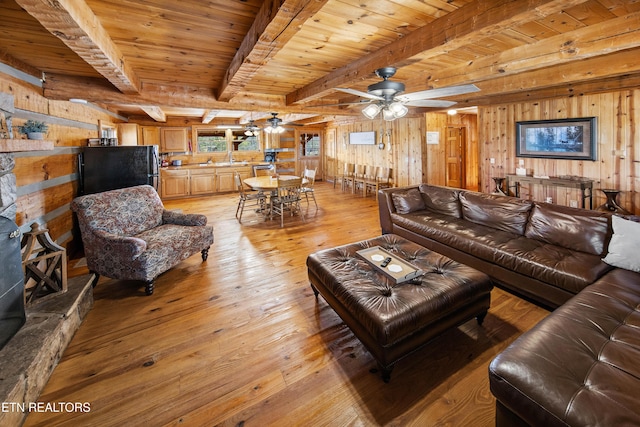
pixel 308 181
pixel 382 180
pixel 359 178
pixel 287 198
pixel 346 178
pixel 254 198
pixel 370 179
pixel 260 170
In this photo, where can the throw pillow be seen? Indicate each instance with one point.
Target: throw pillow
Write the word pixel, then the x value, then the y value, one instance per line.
pixel 442 200
pixel 625 244
pixel 408 201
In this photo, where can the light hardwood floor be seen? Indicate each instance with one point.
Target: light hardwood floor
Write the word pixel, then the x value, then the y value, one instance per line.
pixel 240 340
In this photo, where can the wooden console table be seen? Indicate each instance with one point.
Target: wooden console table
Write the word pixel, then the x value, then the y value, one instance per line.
pixel 585 185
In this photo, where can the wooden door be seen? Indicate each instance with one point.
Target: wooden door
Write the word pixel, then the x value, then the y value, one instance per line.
pixel 455 157
pixel 310 152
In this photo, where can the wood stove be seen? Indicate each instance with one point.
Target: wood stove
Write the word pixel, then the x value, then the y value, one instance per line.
pixel 12 314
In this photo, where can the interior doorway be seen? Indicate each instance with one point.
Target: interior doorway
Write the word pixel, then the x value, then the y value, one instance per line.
pixel 310 152
pixel 455 157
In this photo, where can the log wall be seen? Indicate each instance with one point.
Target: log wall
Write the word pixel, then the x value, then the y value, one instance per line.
pixel 47 181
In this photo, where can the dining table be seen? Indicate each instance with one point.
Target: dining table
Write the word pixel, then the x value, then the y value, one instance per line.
pixel 269 185
pixel 266 183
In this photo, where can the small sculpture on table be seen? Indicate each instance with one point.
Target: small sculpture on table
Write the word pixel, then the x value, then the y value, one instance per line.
pixel 499 182
pixel 611 204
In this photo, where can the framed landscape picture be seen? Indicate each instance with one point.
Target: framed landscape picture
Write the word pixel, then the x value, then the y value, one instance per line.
pixel 572 139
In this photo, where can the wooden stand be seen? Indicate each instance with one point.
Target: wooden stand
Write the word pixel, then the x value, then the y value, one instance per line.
pixel 45 263
pixel 583 184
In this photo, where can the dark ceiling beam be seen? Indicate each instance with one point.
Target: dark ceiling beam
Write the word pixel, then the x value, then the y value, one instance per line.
pixel 276 23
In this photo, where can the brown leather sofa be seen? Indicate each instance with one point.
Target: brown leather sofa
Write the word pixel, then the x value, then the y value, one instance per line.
pixel 545 252
pixel 579 365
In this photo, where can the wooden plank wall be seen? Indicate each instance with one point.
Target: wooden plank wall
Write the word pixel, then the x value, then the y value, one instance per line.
pixel 618 163
pixel 402 155
pixel 411 160
pixel 47 181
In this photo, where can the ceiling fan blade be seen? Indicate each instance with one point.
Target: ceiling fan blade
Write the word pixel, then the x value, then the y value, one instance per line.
pixel 358 93
pixel 436 103
pixel 437 93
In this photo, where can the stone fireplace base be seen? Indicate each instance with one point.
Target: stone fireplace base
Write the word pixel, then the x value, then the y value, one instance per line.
pixel 28 359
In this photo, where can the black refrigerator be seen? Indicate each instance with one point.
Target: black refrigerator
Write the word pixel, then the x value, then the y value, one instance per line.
pixel 110 168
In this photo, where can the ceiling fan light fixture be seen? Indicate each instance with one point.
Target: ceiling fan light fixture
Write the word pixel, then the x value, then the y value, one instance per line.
pixel 398 109
pixel 388 115
pixel 371 111
pixel 274 129
pixel 452 112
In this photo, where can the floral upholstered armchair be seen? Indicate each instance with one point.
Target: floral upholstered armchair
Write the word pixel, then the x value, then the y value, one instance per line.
pixel 128 235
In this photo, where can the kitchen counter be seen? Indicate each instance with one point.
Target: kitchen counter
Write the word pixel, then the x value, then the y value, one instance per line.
pixel 214 165
pixel 201 179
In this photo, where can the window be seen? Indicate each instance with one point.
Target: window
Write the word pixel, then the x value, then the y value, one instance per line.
pixel 242 142
pixel 211 141
pixel 309 144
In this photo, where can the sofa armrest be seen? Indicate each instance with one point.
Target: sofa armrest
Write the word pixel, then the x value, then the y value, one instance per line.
pixel 177 218
pixel 385 205
pixel 125 247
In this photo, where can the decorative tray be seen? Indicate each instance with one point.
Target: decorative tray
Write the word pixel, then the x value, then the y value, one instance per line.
pixel 391 265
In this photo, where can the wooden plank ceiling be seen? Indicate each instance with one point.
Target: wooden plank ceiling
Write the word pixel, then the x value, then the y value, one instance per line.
pixel 244 59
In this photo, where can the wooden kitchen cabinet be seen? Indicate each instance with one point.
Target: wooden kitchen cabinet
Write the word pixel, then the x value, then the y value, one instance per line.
pixel 203 182
pixel 174 183
pixel 150 135
pixel 225 181
pixel 199 181
pixel 128 134
pixel 174 140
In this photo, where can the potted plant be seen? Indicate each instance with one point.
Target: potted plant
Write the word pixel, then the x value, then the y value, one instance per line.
pixel 34 129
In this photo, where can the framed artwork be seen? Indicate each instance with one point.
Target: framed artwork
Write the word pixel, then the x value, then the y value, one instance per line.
pixel 572 139
pixel 362 138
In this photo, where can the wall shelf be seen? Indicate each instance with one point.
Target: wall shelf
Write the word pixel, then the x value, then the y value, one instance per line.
pixel 15 145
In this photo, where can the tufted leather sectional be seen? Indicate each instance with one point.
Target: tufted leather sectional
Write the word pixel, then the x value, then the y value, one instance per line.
pixel 577 367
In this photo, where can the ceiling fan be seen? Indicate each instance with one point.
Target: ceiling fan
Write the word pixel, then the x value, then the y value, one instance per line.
pixel 274 124
pixel 251 129
pixel 387 96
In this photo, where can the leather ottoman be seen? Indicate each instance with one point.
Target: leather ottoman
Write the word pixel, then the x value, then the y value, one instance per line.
pixel 393 320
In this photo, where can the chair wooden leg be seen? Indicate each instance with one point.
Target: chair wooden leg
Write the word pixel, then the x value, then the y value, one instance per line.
pixel 281 215
pixel 240 209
